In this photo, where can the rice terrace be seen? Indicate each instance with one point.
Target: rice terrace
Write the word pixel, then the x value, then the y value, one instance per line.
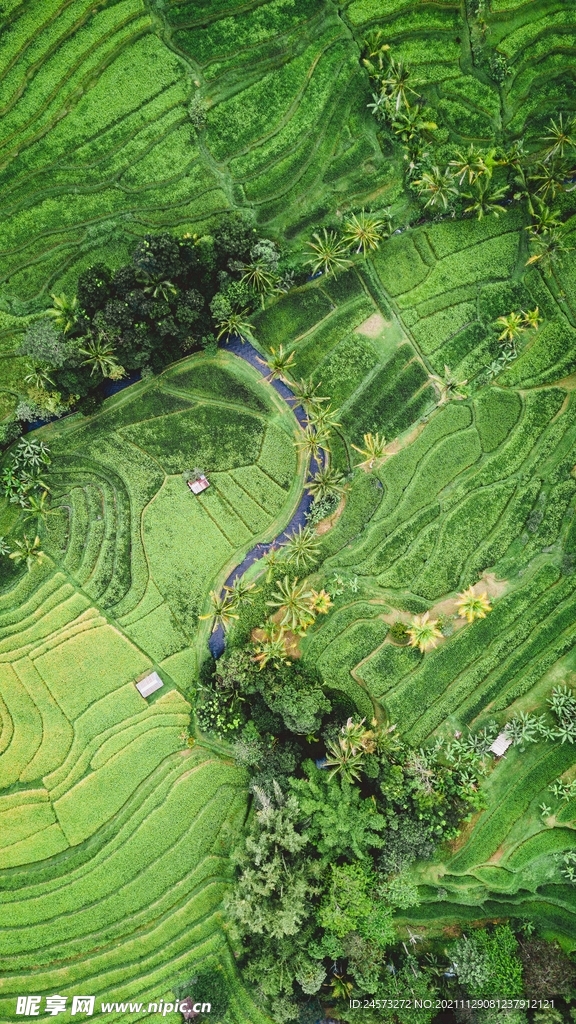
pixel 288 511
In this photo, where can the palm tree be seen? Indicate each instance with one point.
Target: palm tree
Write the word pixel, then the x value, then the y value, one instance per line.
pixel 469 165
pixel 512 326
pixel 323 419
pixel 374 449
pixel 38 377
pixel 449 386
pixel 160 288
pixel 64 312
pixel 411 127
pixel 303 547
pixel 544 219
pixel 32 454
pixel 280 361
pixel 272 646
pixel 424 632
pixel 29 551
pixel 293 602
pixel 100 355
pixel 36 508
pixel 344 759
pixel 375 48
pixel 272 558
pixel 395 85
pixel 312 442
pixel 484 198
pixel 326 482
pixel 532 318
pixel 363 232
pixel 241 591
pixel 234 325
pixel 550 249
pixel 259 277
pixel 552 177
pixel 473 606
pixel 305 391
pixel 4 546
pixel 561 137
pixel 329 253
pixel 223 610
pixel 321 602
pixel 438 186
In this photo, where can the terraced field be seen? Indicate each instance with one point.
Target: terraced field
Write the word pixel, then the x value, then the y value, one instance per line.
pixel 114 832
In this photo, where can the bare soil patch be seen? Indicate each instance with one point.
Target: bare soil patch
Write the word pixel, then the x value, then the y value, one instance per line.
pixel 373 325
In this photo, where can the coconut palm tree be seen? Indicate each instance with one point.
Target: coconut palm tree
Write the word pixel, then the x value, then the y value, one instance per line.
pixel 438 186
pixel 36 508
pixel 329 253
pixel 312 442
pixel 160 288
pixel 242 591
pixel 305 392
pixel 222 610
pixel 469 166
pixel 448 385
pixel 411 127
pixel 38 377
pixel 344 759
pixel 272 558
pixel 424 632
pixel 363 232
pixel 233 325
pixel 100 356
pixel 303 547
pixel 561 135
pixel 272 646
pixel 552 177
pixel 259 277
pixel 532 318
pixel 280 361
pixel 326 482
pixel 473 606
pixel 484 198
pixel 512 327
pixel 64 312
pixel 27 550
pixel 374 449
pixel 323 418
pixel 320 602
pixel 4 546
pixel 543 218
pixel 549 249
pixel 395 86
pixel 293 603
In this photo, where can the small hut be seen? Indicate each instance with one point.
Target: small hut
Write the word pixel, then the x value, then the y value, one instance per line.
pixel 198 484
pixel 500 745
pixel 149 685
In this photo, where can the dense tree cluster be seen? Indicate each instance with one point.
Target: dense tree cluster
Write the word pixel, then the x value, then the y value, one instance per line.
pixel 176 295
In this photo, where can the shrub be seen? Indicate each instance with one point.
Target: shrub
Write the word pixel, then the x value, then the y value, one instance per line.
pixel 488 962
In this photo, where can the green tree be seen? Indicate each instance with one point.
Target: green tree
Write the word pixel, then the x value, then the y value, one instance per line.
pixel 488 962
pixel 373 451
pixel 469 166
pixel 306 393
pixel 342 823
pixel 363 232
pixel 512 326
pixel 279 362
pixel 329 253
pixel 234 324
pixel 29 551
pixel 64 312
pixel 473 606
pixel 326 482
pixel 437 187
pixel 276 881
pixel 424 632
pixel 222 610
pixel 303 547
pixel 312 442
pixel 484 198
pixel 293 603
pixel 549 249
pixel 394 84
pixel 561 136
pixel 101 356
